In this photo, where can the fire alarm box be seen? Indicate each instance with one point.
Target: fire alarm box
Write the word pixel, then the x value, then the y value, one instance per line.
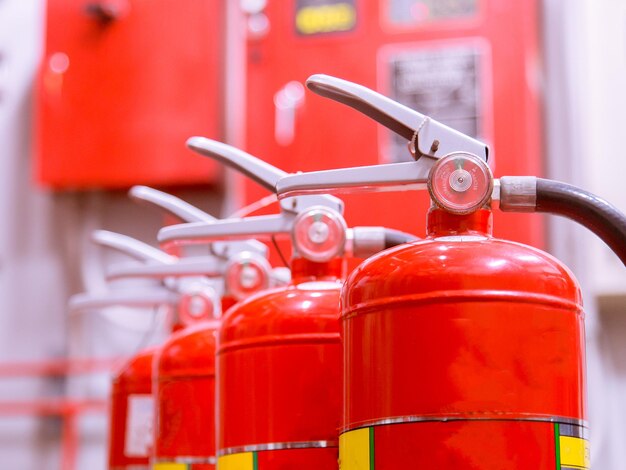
pixel 122 85
pixel 470 64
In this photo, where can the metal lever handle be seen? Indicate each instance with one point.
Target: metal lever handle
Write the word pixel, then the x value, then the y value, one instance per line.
pixel 134 298
pixel 433 138
pixel 185 267
pixel 175 206
pixel 258 170
pixel 132 247
pixel 388 177
pixel 228 229
pixel 263 173
pixel 189 213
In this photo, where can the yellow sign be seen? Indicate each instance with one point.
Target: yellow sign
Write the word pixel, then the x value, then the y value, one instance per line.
pixel 574 452
pixel 355 449
pixel 326 18
pixel 242 461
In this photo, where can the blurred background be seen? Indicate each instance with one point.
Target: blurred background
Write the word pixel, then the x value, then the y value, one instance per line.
pixel 96 96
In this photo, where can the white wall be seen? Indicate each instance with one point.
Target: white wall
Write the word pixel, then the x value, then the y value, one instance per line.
pixel 585 97
pixel 33 280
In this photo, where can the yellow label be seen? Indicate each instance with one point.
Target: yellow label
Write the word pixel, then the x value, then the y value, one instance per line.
pixel 326 18
pixel 169 466
pixel 243 461
pixel 354 450
pixel 574 452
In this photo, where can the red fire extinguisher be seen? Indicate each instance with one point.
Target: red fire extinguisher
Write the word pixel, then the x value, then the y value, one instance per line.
pixel 132 403
pixel 461 350
pixel 184 372
pixel 131 406
pixel 279 353
pixel 184 381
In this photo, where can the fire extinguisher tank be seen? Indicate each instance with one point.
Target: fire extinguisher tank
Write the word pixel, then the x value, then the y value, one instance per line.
pixel 185 389
pixel 131 409
pixel 279 374
pixel 463 351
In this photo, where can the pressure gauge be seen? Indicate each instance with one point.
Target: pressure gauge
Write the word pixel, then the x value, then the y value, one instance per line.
pixel 460 183
pixel 200 302
pixel 246 274
pixel 319 234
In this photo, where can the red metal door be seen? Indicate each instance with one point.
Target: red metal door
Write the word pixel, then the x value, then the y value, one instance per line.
pixel 471 64
pixel 122 85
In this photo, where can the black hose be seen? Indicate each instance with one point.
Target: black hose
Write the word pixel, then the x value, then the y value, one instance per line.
pixel 396 237
pixel 589 210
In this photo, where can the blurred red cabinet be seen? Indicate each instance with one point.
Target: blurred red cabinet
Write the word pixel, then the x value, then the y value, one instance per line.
pixel 469 63
pixel 122 85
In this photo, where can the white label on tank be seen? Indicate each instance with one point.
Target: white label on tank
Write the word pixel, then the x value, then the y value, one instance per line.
pixel 139 426
pixel 461 238
pixel 319 285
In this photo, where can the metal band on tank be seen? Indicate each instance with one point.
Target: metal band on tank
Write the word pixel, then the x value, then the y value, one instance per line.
pixel 277 446
pixel 503 417
pixel 186 460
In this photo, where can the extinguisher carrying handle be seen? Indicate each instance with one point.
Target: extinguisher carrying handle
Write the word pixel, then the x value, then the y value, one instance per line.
pixel 189 213
pixel 531 194
pixel 429 137
pixel 131 247
pixel 386 177
pixel 262 172
pixel 254 168
pixel 188 276
pixel 432 140
pixel 157 264
pixel 206 266
pixel 228 229
pixel 429 141
pixel 366 240
pixel 172 204
pixel 136 298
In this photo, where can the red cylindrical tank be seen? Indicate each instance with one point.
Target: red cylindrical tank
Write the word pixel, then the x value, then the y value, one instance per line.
pixel 132 414
pixel 131 420
pixel 279 374
pixel 463 351
pixel 185 399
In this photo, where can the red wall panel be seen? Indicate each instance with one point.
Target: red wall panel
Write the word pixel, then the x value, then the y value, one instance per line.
pixel 117 99
pixel 330 135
